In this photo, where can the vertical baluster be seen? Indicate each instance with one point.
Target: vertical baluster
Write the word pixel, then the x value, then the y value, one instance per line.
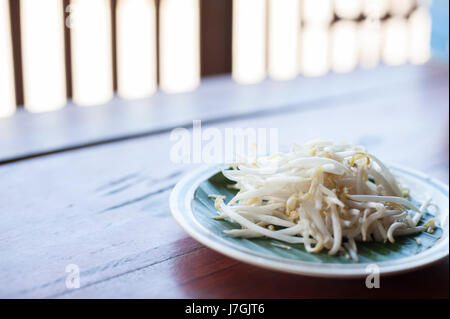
pixel 315 37
pixel 7 97
pixel 249 41
pixel 179 45
pixel 43 54
pixel 136 48
pixel 91 48
pixel 419 36
pixel 284 27
pixel 344 46
pixel 395 41
pixel 314 59
pixel 370 32
pixel 369 35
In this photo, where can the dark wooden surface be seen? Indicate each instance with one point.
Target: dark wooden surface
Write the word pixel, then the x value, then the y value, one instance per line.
pixel 102 202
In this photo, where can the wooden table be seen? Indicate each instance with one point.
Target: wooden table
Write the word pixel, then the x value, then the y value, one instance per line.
pixel 90 186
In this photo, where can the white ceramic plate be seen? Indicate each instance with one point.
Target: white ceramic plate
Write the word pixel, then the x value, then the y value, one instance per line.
pixel 421 186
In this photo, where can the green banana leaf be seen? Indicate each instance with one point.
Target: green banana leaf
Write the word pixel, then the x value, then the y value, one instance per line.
pixel 368 252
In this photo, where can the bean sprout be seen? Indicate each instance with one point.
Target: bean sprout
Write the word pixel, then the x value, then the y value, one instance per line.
pixel 322 195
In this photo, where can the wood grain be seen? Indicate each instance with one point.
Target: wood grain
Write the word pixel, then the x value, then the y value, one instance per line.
pixel 105 207
pixel 218 99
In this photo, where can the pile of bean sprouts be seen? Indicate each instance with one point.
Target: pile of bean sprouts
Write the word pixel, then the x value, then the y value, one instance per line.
pixel 323 195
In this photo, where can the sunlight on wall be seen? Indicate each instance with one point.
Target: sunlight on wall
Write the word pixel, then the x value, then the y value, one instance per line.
pixel 315 46
pixel 136 48
pixel 419 36
pixel 91 51
pixel 344 46
pixel 249 41
pixel 43 62
pixel 7 97
pixel 179 45
pixel 348 9
pixel 284 27
pixel 395 41
pixel 369 37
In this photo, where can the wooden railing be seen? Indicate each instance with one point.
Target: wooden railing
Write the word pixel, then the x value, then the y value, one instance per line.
pixel 89 50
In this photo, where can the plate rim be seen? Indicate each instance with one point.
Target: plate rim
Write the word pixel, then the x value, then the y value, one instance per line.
pixel 192 180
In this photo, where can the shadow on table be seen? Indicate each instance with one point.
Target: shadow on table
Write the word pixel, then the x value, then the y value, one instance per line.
pixel 207 274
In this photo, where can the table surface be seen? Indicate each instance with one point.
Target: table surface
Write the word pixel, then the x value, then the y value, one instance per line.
pixel 99 199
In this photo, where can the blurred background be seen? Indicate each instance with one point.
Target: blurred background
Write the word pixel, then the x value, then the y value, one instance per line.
pixel 91 51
